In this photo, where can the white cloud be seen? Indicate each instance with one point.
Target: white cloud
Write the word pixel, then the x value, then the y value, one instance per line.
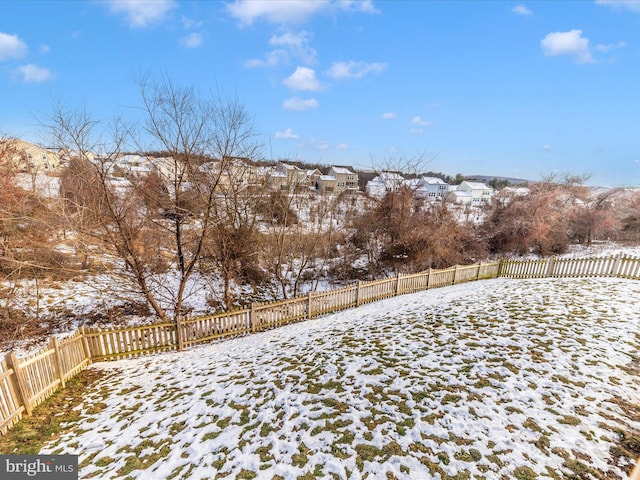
pixel 303 78
pixel 299 104
pixel 12 47
pixel 141 13
pixel 189 23
pixel 419 125
pixel 291 12
pixel 273 58
pixel 193 40
pixel 546 147
pixel 288 134
pixel 619 5
pixel 389 115
pixel 274 11
pixel 611 46
pixel 342 146
pixel 521 10
pixel 290 46
pixel 420 122
pixel 44 48
pixel 364 6
pixel 570 43
pixel 33 74
pixel 354 70
pixel 297 44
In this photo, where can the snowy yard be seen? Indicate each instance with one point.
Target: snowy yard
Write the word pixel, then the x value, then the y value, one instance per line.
pixel 497 379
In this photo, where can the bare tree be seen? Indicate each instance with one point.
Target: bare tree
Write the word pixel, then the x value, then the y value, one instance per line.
pixel 235 241
pixel 402 234
pixel 175 201
pixel 592 217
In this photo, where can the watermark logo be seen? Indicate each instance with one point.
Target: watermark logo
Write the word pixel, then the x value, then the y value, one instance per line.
pixel 39 467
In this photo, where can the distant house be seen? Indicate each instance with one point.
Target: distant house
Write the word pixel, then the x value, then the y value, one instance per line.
pixel 459 197
pixel 505 195
pixel 346 179
pixel 480 193
pixel 313 178
pixel 327 184
pixel 130 164
pixel 277 180
pixel 295 176
pixel 28 157
pixel 386 182
pixel 432 188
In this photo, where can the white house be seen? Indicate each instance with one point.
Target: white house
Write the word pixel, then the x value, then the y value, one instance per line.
pixel 457 196
pixel 432 188
pixel 385 182
pixel 480 193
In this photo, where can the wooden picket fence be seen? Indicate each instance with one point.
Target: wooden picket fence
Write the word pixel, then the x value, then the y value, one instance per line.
pixel 27 381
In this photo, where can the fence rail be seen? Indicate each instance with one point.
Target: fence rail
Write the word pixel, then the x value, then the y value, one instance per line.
pixel 27 381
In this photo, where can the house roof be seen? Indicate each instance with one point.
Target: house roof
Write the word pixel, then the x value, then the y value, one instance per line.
pixel 433 181
pixel 342 170
pixel 476 185
pixel 290 167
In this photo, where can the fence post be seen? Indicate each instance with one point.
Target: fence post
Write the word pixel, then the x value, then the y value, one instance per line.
pixel 478 274
pixel 429 279
pixel 23 390
pixel 53 343
pixel 309 313
pixel 358 293
pixel 455 272
pixel 617 265
pixel 252 318
pixel 85 344
pixel 398 285
pixel 180 333
pixel 500 266
pixel 551 266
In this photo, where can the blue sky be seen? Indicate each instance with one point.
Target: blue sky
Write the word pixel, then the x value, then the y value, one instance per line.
pixel 495 88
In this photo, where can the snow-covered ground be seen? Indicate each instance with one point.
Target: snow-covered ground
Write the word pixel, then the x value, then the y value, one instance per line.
pixel 494 379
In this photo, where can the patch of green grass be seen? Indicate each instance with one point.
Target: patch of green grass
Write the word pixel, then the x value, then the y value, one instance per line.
pixel 580 469
pixel 531 424
pixel 265 429
pixel 569 420
pixel 265 453
pixel 472 455
pixel 245 474
pixel 524 473
pixel 450 398
pixel 444 458
pixel 512 409
pixel 51 418
pixel 211 436
pixel 301 458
